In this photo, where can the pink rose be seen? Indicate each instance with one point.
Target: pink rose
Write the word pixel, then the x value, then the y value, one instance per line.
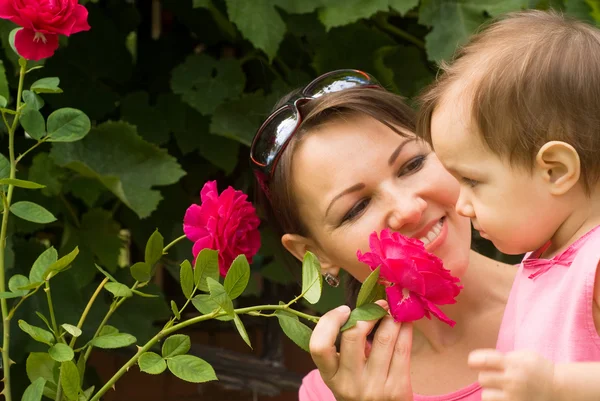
pixel 415 280
pixel 42 22
pixel 226 222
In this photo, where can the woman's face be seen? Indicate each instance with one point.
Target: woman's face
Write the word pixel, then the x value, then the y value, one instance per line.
pixel 356 176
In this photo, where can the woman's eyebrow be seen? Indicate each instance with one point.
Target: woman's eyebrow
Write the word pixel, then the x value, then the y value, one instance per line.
pixel 396 152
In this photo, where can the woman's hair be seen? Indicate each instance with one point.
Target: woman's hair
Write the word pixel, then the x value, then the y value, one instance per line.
pixel 280 208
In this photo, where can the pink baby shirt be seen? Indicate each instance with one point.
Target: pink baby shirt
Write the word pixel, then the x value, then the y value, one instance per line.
pixel 549 309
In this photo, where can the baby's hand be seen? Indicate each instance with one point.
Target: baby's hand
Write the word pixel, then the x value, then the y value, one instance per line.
pixel 515 376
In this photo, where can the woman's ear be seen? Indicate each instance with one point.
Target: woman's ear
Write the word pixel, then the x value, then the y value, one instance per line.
pixel 559 164
pixel 297 245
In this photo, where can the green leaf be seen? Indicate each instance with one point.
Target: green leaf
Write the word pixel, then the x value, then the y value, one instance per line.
pixel 69 380
pixel 21 183
pixel 141 272
pixel 364 312
pixel 4 167
pixel 368 289
pixel 106 274
pixel 239 325
pixel 35 390
pixel 237 277
pixel 62 263
pixel 219 295
pixel 118 290
pixel 201 3
pixel 8 295
pixel 99 233
pixel 258 22
pixel 61 352
pixel 299 7
pixel 177 344
pixel 403 6
pixel 37 333
pixel 16 282
pixel 44 171
pixel 87 394
pixel 41 265
pixel 351 11
pixel 186 279
pixel 114 340
pixel 72 330
pixel 175 310
pixel 133 168
pixel 40 364
pixel 297 331
pixel 191 369
pixel 154 248
pixel 150 121
pixel 3 101
pixel 68 125
pixel 145 295
pixel 43 319
pixel 240 118
pixel 206 265
pixel 204 82
pixel 453 22
pixel 152 363
pixel 32 212
pixel 312 281
pixel 108 330
pixel 32 100
pixel 4 89
pixel 33 123
pixel 339 49
pixel 46 85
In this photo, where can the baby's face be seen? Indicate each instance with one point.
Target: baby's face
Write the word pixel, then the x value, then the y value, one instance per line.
pixel 508 205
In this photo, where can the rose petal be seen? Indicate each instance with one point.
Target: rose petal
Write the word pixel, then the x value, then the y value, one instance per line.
pixel 33 48
pixel 404 307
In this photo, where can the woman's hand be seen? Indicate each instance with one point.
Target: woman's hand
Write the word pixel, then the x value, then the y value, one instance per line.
pixel 358 372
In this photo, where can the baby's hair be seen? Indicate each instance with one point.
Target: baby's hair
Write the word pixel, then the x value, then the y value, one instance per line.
pixel 528 78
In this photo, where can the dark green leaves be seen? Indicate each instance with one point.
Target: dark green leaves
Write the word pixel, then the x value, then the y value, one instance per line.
pixel 204 82
pixel 154 248
pixel 116 156
pixel 369 289
pixel 41 265
pixel 68 125
pixel 141 272
pixel 186 279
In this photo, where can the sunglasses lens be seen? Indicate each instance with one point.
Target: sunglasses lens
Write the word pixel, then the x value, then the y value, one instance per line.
pixel 338 81
pixel 274 136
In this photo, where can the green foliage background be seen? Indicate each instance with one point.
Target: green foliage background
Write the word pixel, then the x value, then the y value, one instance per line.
pixel 175 96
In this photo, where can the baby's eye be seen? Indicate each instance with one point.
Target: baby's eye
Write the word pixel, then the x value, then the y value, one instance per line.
pixel 470 182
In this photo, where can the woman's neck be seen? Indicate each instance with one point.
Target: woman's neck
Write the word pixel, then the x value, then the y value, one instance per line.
pixel 486 285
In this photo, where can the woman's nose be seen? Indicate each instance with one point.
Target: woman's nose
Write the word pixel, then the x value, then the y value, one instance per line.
pixel 406 211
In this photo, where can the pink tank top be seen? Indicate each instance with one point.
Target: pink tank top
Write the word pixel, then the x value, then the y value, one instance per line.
pixel 549 309
pixel 314 389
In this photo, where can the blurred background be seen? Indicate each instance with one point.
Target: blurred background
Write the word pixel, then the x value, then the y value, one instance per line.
pixel 177 88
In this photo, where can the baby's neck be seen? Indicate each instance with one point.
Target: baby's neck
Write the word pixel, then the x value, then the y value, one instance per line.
pixel 585 216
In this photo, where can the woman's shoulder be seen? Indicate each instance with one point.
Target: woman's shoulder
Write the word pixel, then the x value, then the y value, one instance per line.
pixel 313 388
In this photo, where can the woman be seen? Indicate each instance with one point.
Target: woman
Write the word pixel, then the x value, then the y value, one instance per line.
pixel 337 161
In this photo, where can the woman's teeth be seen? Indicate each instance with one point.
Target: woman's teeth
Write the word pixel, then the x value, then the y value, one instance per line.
pixel 433 233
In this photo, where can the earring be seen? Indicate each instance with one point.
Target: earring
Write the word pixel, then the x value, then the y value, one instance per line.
pixel 332 280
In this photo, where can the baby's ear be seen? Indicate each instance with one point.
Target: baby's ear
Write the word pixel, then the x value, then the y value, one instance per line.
pixel 297 245
pixel 559 164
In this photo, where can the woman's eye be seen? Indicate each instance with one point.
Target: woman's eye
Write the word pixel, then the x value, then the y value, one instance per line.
pixel 412 166
pixel 470 182
pixel 356 210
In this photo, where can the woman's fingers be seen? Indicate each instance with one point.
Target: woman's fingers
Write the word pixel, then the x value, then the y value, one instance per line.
pixel 399 374
pixel 353 346
pixel 382 348
pixel 322 342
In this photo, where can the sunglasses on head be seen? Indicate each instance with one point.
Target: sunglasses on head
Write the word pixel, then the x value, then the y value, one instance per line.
pixel 275 133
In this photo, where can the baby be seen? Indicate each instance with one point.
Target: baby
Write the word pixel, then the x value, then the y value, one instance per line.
pixel 516 119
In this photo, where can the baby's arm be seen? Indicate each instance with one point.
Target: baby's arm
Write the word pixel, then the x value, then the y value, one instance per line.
pixel 526 376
